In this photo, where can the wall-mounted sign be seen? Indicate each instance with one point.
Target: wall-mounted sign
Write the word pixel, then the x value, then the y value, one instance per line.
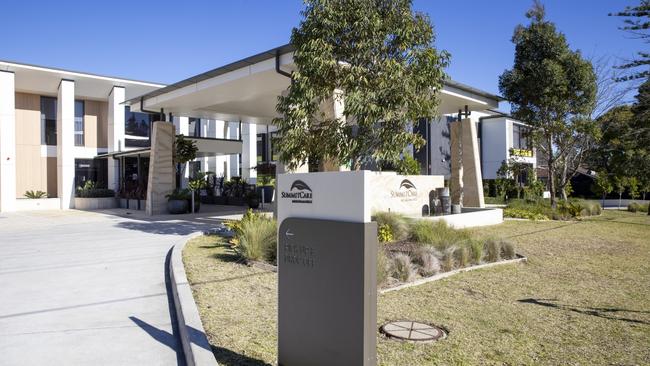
pixel 298 193
pixel 405 192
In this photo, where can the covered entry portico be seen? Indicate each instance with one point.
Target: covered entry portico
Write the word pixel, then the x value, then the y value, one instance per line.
pixel 247 91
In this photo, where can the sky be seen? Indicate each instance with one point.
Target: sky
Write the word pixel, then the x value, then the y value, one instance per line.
pixel 165 41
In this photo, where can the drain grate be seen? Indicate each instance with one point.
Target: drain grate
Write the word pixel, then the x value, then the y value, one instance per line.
pixel 412 331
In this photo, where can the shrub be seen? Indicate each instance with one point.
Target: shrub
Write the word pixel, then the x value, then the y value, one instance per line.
pixel 462 256
pixel 507 249
pixel 35 195
pixel 258 239
pixel 395 222
pixel 383 266
pixel 384 235
pixel 427 260
pixel 448 259
pixel 493 250
pixel 403 269
pixel 476 248
pixel 637 207
pixel 524 214
pixel 95 193
pixel 438 234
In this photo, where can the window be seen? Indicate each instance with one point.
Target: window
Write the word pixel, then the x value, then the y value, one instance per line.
pixel 520 137
pixel 261 148
pixel 95 170
pixel 78 123
pixel 48 121
pixel 137 123
pixel 194 127
pixel 195 169
pixel 275 152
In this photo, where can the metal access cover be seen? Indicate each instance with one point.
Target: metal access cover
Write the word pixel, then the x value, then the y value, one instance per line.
pixel 412 331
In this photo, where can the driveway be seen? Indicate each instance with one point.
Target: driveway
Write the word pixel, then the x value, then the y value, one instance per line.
pixel 88 288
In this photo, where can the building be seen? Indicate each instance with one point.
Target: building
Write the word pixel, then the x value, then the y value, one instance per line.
pixel 60 128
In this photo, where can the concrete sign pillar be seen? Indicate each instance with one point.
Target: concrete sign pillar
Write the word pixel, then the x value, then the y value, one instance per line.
pixel 7 141
pixel 466 183
pixel 327 258
pixel 456 182
pixel 161 168
pixel 116 133
pixel 249 152
pixel 65 144
pixel 472 180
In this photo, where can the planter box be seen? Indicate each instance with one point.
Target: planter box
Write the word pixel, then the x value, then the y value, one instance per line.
pixel 268 193
pixel 28 204
pixel 98 203
pixel 132 204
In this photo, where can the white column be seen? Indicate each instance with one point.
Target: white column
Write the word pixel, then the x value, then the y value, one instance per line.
pixel 249 152
pixel 222 163
pixel 115 133
pixel 65 144
pixel 233 133
pixel 7 141
pixel 184 129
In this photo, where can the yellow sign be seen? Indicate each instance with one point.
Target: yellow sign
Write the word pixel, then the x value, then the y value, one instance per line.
pixel 522 152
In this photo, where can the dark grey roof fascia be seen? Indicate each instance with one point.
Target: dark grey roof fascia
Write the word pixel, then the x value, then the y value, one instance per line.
pixel 287 48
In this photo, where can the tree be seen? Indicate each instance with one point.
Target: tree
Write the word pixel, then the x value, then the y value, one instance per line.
pixel 184 151
pixel 553 89
pixel 638 24
pixel 376 58
pixel 620 183
pixel 603 185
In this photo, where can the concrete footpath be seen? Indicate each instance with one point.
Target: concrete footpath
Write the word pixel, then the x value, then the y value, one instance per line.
pixel 88 288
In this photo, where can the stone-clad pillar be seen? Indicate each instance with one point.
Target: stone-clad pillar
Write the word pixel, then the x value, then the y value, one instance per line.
pixel 249 152
pixel 115 133
pixel 161 168
pixel 472 179
pixel 65 144
pixel 7 141
pixel 456 181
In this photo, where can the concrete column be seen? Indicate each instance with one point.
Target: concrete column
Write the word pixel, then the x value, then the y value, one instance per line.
pixel 161 168
pixel 7 142
pixel 249 152
pixel 233 133
pixel 65 144
pixel 472 180
pixel 456 181
pixel 115 133
pixel 222 165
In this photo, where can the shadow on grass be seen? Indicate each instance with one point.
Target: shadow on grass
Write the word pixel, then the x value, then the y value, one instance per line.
pixel 604 313
pixel 225 356
pixel 543 230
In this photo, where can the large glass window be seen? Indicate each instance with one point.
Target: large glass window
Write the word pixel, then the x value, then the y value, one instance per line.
pixel 275 151
pixel 261 148
pixel 521 137
pixel 137 123
pixel 78 123
pixel 48 121
pixel 194 127
pixel 95 170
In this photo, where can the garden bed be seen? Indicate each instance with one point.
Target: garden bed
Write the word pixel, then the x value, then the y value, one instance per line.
pixel 581 299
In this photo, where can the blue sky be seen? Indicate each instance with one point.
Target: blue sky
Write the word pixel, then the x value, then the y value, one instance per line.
pixel 168 41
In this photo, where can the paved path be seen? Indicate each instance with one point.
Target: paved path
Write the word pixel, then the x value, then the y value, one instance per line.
pixel 82 288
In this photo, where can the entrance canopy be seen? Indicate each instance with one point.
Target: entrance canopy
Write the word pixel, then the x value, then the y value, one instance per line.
pixel 248 90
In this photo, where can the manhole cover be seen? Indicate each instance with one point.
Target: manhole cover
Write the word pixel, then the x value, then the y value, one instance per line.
pixel 412 331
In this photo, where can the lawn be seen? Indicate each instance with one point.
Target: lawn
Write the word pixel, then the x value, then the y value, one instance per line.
pixel 583 298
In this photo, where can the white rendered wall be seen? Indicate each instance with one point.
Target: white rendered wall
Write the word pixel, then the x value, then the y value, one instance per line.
pixel 65 144
pixel 494 145
pixel 249 152
pixel 7 142
pixel 233 130
pixel 115 133
pixel 222 162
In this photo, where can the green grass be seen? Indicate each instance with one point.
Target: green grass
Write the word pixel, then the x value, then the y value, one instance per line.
pixel 583 298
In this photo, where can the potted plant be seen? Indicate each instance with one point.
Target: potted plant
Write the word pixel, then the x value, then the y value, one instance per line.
pixel 177 201
pixel 195 185
pixel 266 186
pixel 253 199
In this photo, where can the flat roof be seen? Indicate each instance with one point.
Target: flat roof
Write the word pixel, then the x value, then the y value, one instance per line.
pixel 287 48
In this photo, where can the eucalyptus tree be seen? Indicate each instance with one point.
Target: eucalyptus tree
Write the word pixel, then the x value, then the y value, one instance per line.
pixel 553 89
pixel 376 59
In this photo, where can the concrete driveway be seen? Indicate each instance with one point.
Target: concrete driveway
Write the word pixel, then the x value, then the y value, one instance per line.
pixel 88 288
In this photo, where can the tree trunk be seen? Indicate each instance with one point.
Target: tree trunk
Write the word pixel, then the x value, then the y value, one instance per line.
pixel 620 196
pixel 604 195
pixel 551 171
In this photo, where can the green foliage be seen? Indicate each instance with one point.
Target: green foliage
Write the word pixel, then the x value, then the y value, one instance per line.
pixel 524 214
pixel 375 57
pixel 35 194
pixel 384 233
pixel 493 250
pixel 638 27
pixel 507 249
pixel 396 224
pixel 383 266
pixel 185 150
pixel 438 234
pixel 403 269
pixel 462 256
pixel 476 251
pixel 637 207
pixel 426 258
pixel 257 238
pixel 553 89
pixel 179 194
pixel 408 166
pixel 198 182
pixel 633 187
pixel 542 210
pixel 265 180
pixel 95 193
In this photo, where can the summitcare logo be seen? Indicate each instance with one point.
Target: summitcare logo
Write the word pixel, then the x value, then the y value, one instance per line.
pixel 298 193
pixel 406 191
